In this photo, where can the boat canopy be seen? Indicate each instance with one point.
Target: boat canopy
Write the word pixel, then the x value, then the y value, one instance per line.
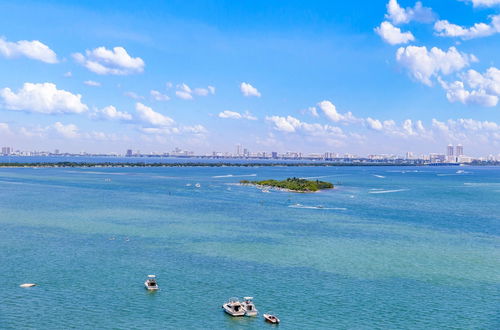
pixel 248 298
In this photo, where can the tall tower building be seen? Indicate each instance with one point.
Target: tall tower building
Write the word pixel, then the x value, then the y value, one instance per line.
pixel 239 150
pixel 449 150
pixel 459 150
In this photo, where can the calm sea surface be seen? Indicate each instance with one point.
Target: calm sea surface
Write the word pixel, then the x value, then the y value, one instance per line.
pixel 390 247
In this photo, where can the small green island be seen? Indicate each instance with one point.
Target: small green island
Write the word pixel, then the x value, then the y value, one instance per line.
pixel 291 184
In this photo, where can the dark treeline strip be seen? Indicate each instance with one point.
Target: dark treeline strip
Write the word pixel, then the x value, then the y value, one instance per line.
pixel 200 164
pixel 193 164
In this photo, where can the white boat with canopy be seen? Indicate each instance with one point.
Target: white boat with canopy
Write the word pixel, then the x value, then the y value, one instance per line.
pixel 234 307
pixel 249 306
pixel 151 283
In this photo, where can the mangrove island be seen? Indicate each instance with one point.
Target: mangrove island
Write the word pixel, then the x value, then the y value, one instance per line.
pixel 292 184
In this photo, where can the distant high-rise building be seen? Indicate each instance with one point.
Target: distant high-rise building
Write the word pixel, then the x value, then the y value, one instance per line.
pixel 56 151
pixel 449 150
pixel 6 151
pixel 239 150
pixel 459 150
pixel 129 153
pixel 274 154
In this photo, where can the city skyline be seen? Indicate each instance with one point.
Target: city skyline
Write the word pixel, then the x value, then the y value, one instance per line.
pixel 395 77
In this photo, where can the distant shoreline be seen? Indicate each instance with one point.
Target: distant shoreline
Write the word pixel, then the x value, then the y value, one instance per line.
pixel 201 164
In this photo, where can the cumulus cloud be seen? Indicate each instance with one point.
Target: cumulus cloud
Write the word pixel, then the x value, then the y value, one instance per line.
pixel 186 93
pixel 489 81
pixel 42 98
pixel 227 114
pixel 149 116
pixel 110 112
pixel 291 124
pixel 398 15
pixel 133 95
pixel 4 128
pixel 92 83
pixel 248 90
pixel 393 35
pixel 456 92
pixel 484 3
pixel 69 131
pixel 105 61
pixel 30 49
pixel 424 64
pixel 444 28
pixel 330 110
pixel 159 96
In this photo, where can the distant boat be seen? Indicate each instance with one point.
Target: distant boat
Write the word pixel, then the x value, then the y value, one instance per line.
pixel 234 307
pixel 197 185
pixel 460 172
pixel 27 285
pixel 249 307
pixel 151 283
pixel 265 190
pixel 271 318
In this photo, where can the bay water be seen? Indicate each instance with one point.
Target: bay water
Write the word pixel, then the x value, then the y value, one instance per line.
pixel 388 248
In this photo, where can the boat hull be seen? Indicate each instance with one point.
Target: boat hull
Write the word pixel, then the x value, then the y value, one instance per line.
pixel 229 311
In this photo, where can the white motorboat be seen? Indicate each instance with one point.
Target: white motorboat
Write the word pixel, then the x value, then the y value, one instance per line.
pixel 151 283
pixel 271 318
pixel 249 306
pixel 234 307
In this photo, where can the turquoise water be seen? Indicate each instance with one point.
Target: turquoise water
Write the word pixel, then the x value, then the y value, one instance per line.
pixel 391 247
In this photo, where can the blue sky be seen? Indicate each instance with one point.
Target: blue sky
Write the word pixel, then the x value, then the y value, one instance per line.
pixel 316 76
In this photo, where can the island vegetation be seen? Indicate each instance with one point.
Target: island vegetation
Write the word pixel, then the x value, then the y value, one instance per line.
pixel 292 184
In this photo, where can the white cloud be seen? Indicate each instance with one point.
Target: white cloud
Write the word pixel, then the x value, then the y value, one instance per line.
pixel 92 83
pixel 42 98
pixel 291 124
pixel 399 15
pixel 390 127
pixel 248 90
pixel 159 96
pixel 483 89
pixel 227 114
pixel 110 112
pixel 393 35
pixel 31 49
pixel 104 61
pixel 489 81
pixel 133 95
pixel 330 110
pixel 69 131
pixel 485 3
pixel 444 28
pixel 424 64
pixel 4 128
pixel 374 124
pixel 149 116
pixel 456 92
pixel 68 74
pixel 184 95
pixel 195 129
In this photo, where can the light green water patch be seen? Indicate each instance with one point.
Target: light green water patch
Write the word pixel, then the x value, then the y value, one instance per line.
pixel 369 259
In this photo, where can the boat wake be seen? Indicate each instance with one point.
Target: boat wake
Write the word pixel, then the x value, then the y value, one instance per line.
pixel 379 176
pixel 386 191
pixel 233 176
pixel 319 207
